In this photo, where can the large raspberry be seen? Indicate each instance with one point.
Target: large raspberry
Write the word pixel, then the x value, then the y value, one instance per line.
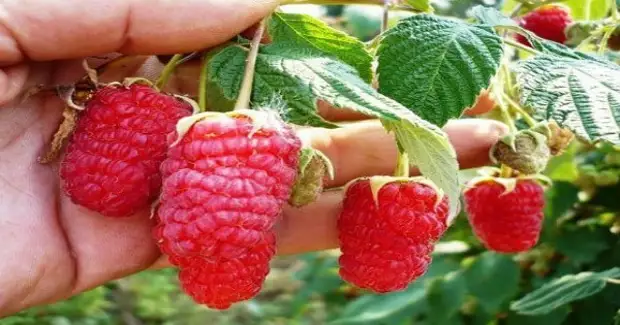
pixel 386 244
pixel 548 22
pixel 113 157
pixel 505 220
pixel 225 183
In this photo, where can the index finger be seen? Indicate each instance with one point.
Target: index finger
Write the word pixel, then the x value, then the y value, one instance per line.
pixel 43 30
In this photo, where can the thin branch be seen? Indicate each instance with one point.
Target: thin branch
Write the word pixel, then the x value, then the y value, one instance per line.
pixel 245 94
pixel 521 46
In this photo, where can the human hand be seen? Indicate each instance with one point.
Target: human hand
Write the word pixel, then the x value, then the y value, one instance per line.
pixel 55 249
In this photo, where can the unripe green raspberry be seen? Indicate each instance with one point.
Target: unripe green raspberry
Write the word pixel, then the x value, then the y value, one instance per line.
pixel 526 151
pixel 313 167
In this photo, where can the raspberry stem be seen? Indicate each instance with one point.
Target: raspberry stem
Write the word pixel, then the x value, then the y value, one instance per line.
pixel 386 15
pixel 518 109
pixel 402 166
pixel 610 28
pixel 168 70
pixel 505 172
pixel 202 84
pixel 521 46
pixel 245 94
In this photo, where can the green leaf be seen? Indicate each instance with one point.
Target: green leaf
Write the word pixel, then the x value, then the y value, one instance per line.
pixel 377 308
pixel 492 17
pixel 300 77
pixel 445 296
pixel 555 317
pixel 596 309
pixel 493 279
pixel 437 66
pixel 581 95
pixel 563 291
pixel 429 152
pixel 303 31
pixel 420 5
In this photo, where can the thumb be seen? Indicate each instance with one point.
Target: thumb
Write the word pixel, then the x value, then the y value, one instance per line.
pixel 42 30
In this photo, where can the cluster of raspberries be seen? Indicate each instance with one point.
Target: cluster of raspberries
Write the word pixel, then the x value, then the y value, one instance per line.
pixel 217 184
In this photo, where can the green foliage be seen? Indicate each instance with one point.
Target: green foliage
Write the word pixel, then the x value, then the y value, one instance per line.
pixel 437 66
pixel 445 295
pixel 579 94
pixel 306 32
pixel 562 291
pixel 493 280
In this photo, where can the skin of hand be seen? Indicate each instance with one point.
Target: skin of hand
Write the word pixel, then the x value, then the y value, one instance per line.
pixel 54 249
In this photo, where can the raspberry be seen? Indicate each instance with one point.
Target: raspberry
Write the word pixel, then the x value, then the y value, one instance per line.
pixel 506 222
pixel 225 183
pixel 526 151
pixel 386 244
pixel 314 166
pixel 548 22
pixel 112 161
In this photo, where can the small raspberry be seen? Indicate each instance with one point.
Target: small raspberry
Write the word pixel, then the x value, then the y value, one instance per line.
pixel 548 22
pixel 386 244
pixel 314 166
pixel 526 151
pixel 112 161
pixel 225 183
pixel 506 221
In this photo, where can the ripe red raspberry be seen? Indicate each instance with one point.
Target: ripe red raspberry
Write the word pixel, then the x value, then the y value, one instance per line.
pixel 506 222
pixel 112 161
pixel 225 183
pixel 548 22
pixel 386 244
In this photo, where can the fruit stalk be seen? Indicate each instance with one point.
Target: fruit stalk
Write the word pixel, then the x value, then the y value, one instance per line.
pixel 386 15
pixel 202 84
pixel 168 70
pixel 245 94
pixel 521 46
pixel 517 108
pixel 402 166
